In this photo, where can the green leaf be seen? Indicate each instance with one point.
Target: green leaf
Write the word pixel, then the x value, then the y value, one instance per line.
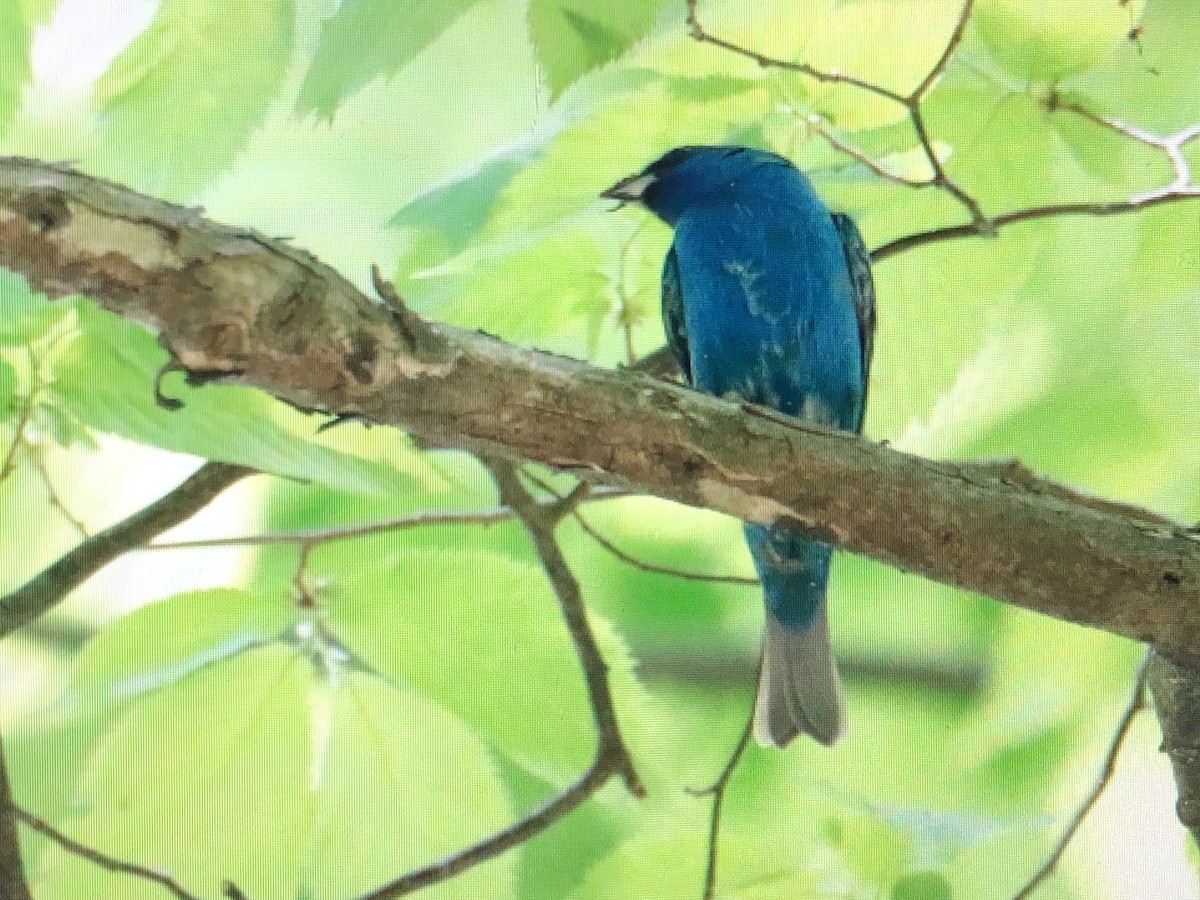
pixel 182 100
pixel 366 39
pixel 850 41
pixel 106 380
pixel 163 642
pixel 303 758
pixel 15 35
pixel 573 37
pixel 483 636
pixel 445 218
pixel 391 753
pixel 1049 41
pixel 921 886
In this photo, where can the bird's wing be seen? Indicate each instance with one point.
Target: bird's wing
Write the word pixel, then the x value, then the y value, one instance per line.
pixel 858 261
pixel 672 314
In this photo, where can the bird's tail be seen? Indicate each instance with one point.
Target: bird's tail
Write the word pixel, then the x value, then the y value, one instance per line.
pixel 798 687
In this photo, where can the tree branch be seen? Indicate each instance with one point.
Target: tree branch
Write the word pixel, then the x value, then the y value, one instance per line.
pixel 51 585
pixel 1137 702
pixel 13 885
pixel 716 791
pixel 275 318
pixel 103 860
pixel 612 757
pixel 540 521
pixel 1176 692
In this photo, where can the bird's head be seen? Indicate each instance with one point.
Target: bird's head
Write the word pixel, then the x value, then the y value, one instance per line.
pixel 701 175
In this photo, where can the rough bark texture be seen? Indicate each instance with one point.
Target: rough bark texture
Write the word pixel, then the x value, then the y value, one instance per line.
pixel 1176 693
pixel 259 312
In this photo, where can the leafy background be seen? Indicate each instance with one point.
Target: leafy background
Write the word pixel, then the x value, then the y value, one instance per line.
pixel 210 726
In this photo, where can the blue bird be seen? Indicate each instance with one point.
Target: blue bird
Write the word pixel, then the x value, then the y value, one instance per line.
pixel 767 297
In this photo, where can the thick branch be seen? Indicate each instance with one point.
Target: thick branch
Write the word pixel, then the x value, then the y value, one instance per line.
pixel 52 584
pixel 1176 692
pixel 275 318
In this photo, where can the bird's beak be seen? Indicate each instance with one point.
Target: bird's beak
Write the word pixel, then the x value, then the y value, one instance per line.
pixel 629 190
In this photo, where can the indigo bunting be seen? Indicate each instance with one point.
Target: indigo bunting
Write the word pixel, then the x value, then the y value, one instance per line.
pixel 767 297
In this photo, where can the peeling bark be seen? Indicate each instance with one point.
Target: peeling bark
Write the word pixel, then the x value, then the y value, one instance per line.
pixel 262 313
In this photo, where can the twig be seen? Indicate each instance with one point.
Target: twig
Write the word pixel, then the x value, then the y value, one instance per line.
pixel 9 463
pixel 597 776
pixel 656 569
pixel 50 586
pixel 704 36
pixel 911 102
pixel 612 757
pixel 315 536
pixel 540 521
pixel 1182 187
pixel 1137 702
pixel 13 885
pixel 103 859
pixel 716 790
pixel 39 463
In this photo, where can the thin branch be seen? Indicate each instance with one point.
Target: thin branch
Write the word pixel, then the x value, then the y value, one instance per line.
pixel 1137 702
pixel 911 103
pixel 822 127
pixel 1182 187
pixel 48 588
pixel 315 536
pixel 39 463
pixel 595 778
pixel 9 463
pixel 956 36
pixel 654 568
pixel 612 758
pixel 13 885
pixel 540 521
pixel 704 36
pixel 111 863
pixel 717 790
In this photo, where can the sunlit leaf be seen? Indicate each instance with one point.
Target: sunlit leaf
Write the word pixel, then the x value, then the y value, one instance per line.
pixel 1052 40
pixel 366 39
pixel 572 37
pixel 181 101
pixel 15 35
pixel 483 637
pixel 107 381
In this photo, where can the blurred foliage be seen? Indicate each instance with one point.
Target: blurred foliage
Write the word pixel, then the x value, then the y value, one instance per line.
pixel 432 694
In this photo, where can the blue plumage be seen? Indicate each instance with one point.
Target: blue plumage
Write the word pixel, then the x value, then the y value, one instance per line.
pixel 767 297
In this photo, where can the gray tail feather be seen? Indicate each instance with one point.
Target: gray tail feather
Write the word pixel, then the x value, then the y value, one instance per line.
pixel 798 687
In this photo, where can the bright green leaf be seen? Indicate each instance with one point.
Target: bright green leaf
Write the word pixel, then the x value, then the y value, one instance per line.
pixel 106 380
pixel 573 37
pixel 483 636
pixel 181 101
pixel 1049 41
pixel 304 758
pixel 228 744
pixel 389 753
pixel 15 35
pixel 161 643
pixel 366 39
